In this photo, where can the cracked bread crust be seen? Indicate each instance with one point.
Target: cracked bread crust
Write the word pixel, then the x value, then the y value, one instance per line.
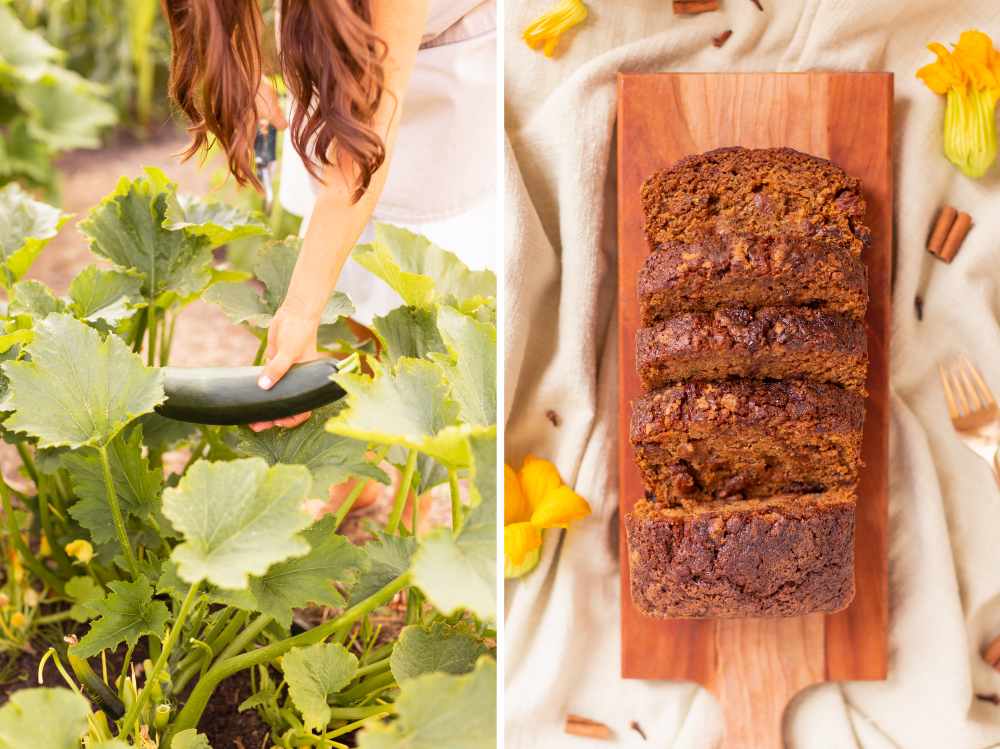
pixel 785 556
pixel 713 271
pixel 769 343
pixel 765 191
pixel 700 441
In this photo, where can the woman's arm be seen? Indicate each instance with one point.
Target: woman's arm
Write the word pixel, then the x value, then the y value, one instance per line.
pixel 336 223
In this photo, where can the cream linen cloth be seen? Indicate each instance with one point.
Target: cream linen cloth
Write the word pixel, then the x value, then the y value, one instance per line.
pixel 562 652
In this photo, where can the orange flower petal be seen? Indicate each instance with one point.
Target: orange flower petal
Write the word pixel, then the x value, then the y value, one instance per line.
pixel 561 506
pixel 515 504
pixel 518 540
pixel 538 478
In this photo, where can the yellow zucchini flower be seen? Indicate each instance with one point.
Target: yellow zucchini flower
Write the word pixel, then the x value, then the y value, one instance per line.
pixel 969 76
pixel 80 549
pixel 534 498
pixel 548 26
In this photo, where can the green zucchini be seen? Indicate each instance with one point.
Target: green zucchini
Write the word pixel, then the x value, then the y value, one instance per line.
pixel 231 396
pixel 103 696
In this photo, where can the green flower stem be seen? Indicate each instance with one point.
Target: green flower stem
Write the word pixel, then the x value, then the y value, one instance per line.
pixel 140 328
pixel 206 649
pixel 357 724
pixel 192 662
pixel 60 616
pixel 133 712
pixel 191 713
pixel 29 462
pixel 116 513
pixel 168 337
pixel 372 668
pixel 62 494
pixel 30 560
pixel 218 626
pixel 58 553
pixel 124 671
pixel 195 454
pixel 245 637
pixel 404 489
pixel 259 357
pixel 358 488
pixel 456 502
pixel 380 653
pixel 152 336
pixel 366 687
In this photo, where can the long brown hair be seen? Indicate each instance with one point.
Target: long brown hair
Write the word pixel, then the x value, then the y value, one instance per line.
pixel 332 61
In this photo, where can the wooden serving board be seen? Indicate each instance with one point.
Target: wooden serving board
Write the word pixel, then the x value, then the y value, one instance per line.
pixel 754 667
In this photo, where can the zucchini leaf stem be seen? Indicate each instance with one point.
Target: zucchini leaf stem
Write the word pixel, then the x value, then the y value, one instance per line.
pixel 404 489
pixel 116 514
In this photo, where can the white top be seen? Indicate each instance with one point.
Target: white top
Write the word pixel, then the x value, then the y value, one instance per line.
pixel 444 161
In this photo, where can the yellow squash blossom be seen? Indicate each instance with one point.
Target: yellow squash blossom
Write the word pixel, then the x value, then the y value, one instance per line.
pixel 80 549
pixel 970 77
pixel 548 26
pixel 534 498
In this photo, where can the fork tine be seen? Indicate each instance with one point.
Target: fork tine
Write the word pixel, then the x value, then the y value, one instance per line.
pixel 973 395
pixel 952 408
pixel 957 384
pixel 979 381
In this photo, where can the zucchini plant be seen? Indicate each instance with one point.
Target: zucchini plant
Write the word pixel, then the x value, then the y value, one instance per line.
pixel 207 565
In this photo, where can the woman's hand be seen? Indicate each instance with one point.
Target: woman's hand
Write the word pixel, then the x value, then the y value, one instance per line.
pixel 269 106
pixel 290 339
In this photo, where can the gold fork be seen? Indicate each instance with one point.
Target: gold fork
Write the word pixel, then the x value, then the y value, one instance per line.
pixel 978 421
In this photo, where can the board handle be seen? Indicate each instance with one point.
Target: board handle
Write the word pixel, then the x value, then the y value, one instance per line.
pixel 763 664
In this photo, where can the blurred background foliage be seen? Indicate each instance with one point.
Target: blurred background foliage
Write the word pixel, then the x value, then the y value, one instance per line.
pixel 81 73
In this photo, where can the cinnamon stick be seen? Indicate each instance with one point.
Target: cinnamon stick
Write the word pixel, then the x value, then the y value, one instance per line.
pixel 584 727
pixel 955 236
pixel 721 38
pixel 941 229
pixel 695 6
pixel 992 654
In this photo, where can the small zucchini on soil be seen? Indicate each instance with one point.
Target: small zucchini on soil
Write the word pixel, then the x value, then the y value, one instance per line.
pixel 230 395
pixel 103 696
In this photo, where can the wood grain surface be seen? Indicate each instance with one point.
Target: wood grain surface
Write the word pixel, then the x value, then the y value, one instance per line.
pixel 754 667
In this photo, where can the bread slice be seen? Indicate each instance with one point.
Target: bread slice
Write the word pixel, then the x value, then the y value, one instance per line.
pixel 781 556
pixel 766 191
pixel 715 271
pixel 701 441
pixel 770 343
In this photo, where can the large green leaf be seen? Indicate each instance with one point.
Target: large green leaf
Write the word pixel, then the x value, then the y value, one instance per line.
pixel 238 518
pixel 416 290
pixel 439 647
pixel 313 674
pixel 330 458
pixel 190 739
pixel 127 229
pixel 26 226
pixel 78 390
pixel 303 580
pixel 24 56
pixel 63 111
pixel 390 557
pixel 441 711
pixel 219 222
pixel 275 263
pixel 43 719
pixel 32 297
pixel 409 332
pixel 136 487
pixel 107 295
pixel 414 253
pixel 460 572
pixel 159 432
pixel 483 450
pixel 81 590
pixel 127 614
pixel 470 366
pixel 170 583
pixel 409 405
